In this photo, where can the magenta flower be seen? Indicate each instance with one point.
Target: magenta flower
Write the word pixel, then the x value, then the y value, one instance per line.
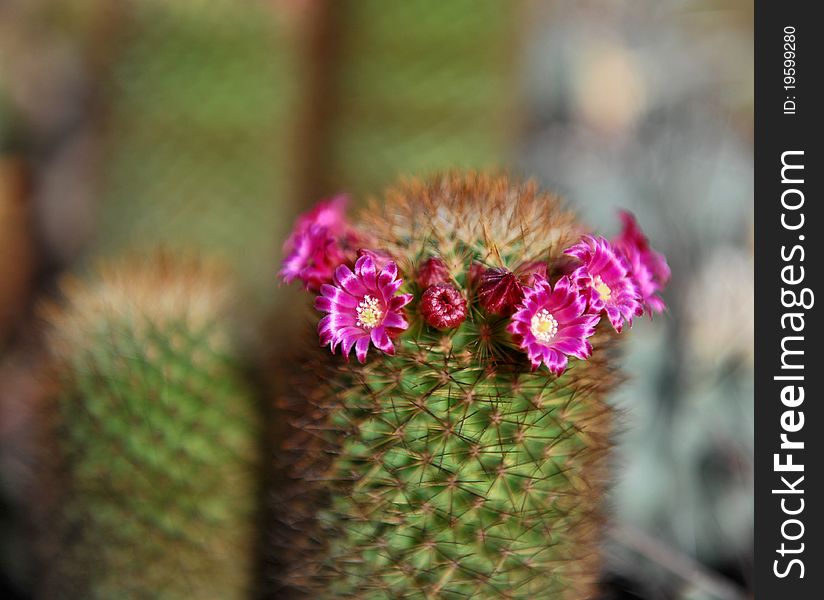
pixel 604 280
pixel 362 307
pixel 551 324
pixel 329 214
pixel 313 258
pixel 318 243
pixel 443 306
pixel 648 268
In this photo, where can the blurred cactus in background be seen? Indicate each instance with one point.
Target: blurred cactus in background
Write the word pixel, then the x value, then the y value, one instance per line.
pixel 461 461
pixel 157 438
pixel 202 103
pixel 412 89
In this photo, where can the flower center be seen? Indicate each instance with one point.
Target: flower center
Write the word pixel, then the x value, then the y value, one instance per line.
pixel 602 288
pixel 369 312
pixel 543 326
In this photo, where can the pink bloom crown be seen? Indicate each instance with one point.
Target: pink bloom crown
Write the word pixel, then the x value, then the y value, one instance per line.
pixel 504 282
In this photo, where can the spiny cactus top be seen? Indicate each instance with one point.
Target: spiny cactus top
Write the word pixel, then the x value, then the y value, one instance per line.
pixel 464 454
pixel 481 250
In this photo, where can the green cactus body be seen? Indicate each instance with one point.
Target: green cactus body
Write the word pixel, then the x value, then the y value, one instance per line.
pixel 455 470
pixel 158 440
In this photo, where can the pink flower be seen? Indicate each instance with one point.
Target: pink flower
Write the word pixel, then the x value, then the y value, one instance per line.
pixel 329 214
pixel 362 307
pixel 432 272
pixel 312 259
pixel 317 244
pixel 648 268
pixel 551 324
pixel 443 306
pixel 604 280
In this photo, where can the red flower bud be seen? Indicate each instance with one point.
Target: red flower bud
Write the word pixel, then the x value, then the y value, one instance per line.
pixel 443 307
pixel 432 272
pixel 500 291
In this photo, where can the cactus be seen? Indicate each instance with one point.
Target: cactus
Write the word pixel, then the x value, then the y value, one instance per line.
pixel 469 459
pixel 157 433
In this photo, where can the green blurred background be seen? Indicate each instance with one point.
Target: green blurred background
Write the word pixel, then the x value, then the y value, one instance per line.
pixel 209 124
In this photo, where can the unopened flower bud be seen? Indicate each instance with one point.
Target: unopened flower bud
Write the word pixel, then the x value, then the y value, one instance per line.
pixel 432 272
pixel 443 306
pixel 500 291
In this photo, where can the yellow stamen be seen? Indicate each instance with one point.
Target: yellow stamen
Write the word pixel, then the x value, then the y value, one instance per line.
pixel 544 326
pixel 369 312
pixel 602 288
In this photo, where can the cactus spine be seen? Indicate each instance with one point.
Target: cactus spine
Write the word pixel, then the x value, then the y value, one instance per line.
pixel 158 438
pixel 455 470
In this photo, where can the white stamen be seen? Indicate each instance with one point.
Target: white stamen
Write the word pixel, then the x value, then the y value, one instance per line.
pixel 543 326
pixel 369 312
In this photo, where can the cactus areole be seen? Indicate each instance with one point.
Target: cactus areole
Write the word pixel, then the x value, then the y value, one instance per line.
pixel 470 439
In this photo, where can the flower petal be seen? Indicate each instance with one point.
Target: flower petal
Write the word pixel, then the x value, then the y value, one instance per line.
pixel 361 348
pixel 399 302
pixel 388 274
pixel 555 361
pixel 381 340
pixel 365 270
pixel 347 280
pixel 394 320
